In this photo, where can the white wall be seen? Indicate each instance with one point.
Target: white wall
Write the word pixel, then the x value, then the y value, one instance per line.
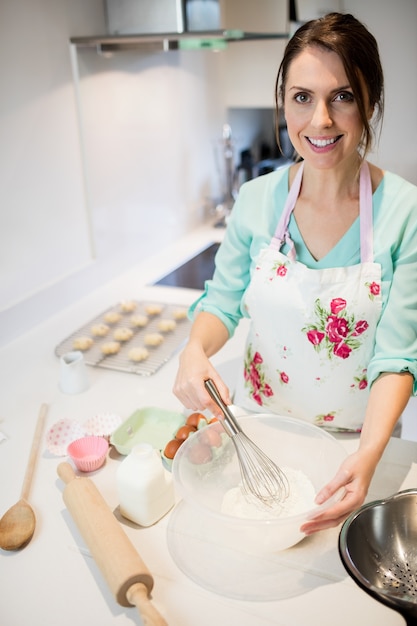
pixel 42 209
pixel 79 207
pixel 152 129
pixel 394 24
pixel 148 122
pixel 43 223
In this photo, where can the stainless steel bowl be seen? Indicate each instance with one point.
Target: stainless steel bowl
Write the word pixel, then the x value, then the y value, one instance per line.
pixel 378 548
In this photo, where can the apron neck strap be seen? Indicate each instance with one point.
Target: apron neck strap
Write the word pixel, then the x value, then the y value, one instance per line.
pixel 365 215
pixel 281 233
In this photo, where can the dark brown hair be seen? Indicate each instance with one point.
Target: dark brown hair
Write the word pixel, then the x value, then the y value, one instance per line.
pixel 358 51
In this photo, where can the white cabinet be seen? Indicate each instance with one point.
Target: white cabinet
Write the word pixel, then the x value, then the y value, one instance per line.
pixel 249 71
pixel 143 16
pixel 262 16
pixel 250 67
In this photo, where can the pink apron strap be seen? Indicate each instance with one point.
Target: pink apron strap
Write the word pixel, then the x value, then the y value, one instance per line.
pixel 281 233
pixel 366 214
pixel 282 236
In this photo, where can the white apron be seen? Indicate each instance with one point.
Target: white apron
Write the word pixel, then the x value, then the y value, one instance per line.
pixel 312 331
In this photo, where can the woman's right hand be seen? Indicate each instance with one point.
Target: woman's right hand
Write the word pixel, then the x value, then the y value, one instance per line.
pixel 208 334
pixel 195 368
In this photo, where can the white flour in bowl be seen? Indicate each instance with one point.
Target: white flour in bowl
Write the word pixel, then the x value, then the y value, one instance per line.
pixel 300 499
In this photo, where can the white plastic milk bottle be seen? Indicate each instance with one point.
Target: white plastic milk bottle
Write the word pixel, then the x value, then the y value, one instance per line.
pixel 145 487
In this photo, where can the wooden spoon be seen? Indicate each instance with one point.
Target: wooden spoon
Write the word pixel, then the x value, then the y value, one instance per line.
pixel 18 523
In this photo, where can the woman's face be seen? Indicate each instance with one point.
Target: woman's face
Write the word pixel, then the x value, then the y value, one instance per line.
pixel 322 116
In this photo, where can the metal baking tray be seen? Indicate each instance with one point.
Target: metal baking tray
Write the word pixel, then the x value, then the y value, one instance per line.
pixel 158 355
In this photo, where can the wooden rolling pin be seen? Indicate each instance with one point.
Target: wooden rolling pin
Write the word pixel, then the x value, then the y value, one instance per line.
pixel 126 574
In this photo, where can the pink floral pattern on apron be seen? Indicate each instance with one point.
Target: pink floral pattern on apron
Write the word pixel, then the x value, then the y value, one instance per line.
pixel 255 378
pixel 335 330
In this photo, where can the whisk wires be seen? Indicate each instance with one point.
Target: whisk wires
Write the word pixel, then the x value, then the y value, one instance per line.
pixel 261 477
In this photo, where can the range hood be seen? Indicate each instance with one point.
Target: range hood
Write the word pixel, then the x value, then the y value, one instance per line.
pixel 215 40
pixel 187 24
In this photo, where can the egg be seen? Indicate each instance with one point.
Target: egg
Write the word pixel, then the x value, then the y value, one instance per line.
pixel 171 448
pixel 184 431
pixel 212 436
pixel 196 419
pixel 200 453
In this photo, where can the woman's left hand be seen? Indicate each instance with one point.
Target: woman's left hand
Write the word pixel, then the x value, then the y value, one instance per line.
pixel 387 399
pixel 354 476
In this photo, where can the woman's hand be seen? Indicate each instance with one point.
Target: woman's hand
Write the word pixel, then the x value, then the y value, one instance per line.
pixel 207 336
pixel 354 476
pixel 189 387
pixel 387 399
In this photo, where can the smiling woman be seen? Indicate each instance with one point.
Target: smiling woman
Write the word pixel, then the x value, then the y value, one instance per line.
pixel 309 257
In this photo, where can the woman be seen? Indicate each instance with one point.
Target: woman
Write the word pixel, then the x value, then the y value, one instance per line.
pixel 322 257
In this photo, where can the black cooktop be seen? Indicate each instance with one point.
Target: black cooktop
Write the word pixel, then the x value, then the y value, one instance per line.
pixel 194 273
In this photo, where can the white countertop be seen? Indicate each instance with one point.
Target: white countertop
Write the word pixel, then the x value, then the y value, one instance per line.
pixel 54 580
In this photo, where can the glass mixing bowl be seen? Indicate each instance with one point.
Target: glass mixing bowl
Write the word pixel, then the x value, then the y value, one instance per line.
pixel 202 481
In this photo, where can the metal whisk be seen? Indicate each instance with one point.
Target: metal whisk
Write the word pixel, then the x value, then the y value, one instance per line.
pixel 261 477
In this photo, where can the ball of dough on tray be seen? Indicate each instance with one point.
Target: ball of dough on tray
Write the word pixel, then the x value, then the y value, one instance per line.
pixel 123 334
pixel 100 330
pixel 179 314
pixel 138 321
pixel 138 354
pixel 82 343
pixel 153 309
pixel 112 317
pixel 111 347
pixel 153 339
pixel 166 326
pixel 127 306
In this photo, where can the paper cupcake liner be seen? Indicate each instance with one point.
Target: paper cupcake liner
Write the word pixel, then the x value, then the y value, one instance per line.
pixel 102 425
pixel 61 434
pixel 88 453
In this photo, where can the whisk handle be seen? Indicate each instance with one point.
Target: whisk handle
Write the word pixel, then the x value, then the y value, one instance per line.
pixel 230 423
